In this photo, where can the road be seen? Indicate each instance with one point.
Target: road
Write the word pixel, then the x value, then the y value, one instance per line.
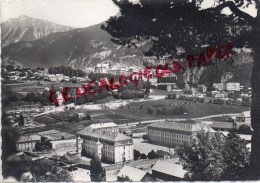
pixel 177 119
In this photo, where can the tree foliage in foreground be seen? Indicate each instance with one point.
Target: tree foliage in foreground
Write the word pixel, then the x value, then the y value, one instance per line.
pixel 97 172
pixel 213 157
pixel 45 171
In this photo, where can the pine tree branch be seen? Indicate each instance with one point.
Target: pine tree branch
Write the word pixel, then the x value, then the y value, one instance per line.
pixel 232 6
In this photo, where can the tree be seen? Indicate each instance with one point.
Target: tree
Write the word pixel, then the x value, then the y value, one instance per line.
pixel 246 101
pixel 22 74
pixel 147 88
pixel 8 96
pixel 244 129
pixel 150 110
pixel 38 146
pixel 97 172
pixel 9 67
pixel 152 155
pixel 210 157
pixel 137 155
pixel 10 135
pixel 47 171
pixel 170 25
pixel 127 179
pixel 236 157
pixel 145 137
pixel 40 68
pixel 203 157
pixel 143 156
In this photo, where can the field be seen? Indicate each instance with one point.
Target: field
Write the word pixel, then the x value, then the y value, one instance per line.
pixel 136 112
pixel 62 126
pixel 32 86
pixel 131 111
pixel 139 110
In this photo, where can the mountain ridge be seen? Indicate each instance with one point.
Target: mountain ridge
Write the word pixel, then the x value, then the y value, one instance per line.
pixel 25 28
pixel 79 48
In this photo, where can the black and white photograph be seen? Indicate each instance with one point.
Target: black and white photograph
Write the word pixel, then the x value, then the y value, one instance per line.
pixel 130 90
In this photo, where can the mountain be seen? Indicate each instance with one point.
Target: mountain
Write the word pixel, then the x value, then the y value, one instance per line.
pixel 25 28
pixel 79 48
pixel 85 47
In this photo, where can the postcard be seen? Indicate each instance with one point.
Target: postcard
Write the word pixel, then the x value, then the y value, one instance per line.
pixel 130 90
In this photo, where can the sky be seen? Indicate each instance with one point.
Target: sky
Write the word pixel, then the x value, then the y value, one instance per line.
pixel 74 13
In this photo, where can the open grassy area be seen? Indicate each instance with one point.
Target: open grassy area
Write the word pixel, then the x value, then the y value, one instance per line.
pixel 32 86
pixel 139 110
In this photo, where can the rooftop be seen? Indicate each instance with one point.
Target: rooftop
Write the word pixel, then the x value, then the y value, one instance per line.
pixel 56 135
pixel 103 125
pixel 246 114
pixel 242 136
pixel 28 138
pixel 188 125
pixel 105 135
pixel 134 174
pixel 169 168
pixel 227 125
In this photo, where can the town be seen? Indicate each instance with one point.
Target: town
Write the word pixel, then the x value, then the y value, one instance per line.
pixel 130 91
pixel 134 129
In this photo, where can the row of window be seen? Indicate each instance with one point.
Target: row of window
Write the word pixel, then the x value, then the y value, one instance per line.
pixel 170 141
pixel 160 134
pixel 26 146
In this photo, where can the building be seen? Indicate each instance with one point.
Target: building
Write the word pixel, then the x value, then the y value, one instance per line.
pixel 128 173
pixel 244 117
pixel 202 88
pixel 165 170
pixel 174 133
pixel 167 82
pixel 112 147
pixel 27 142
pixel 72 158
pixel 163 154
pixel 59 98
pixel 81 115
pixel 59 77
pixel 25 120
pixel 115 71
pixel 52 77
pixel 66 78
pixel 59 140
pixel 223 126
pixel 110 126
pixel 232 86
pixel 102 68
pixel 190 91
pixel 245 137
pixel 221 95
pixel 218 86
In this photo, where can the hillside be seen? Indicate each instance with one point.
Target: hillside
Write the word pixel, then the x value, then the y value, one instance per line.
pixel 85 47
pixel 25 28
pixel 79 48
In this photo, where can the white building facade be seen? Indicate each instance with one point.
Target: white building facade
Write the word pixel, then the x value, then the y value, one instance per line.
pixel 114 147
pixel 232 86
pixel 172 133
